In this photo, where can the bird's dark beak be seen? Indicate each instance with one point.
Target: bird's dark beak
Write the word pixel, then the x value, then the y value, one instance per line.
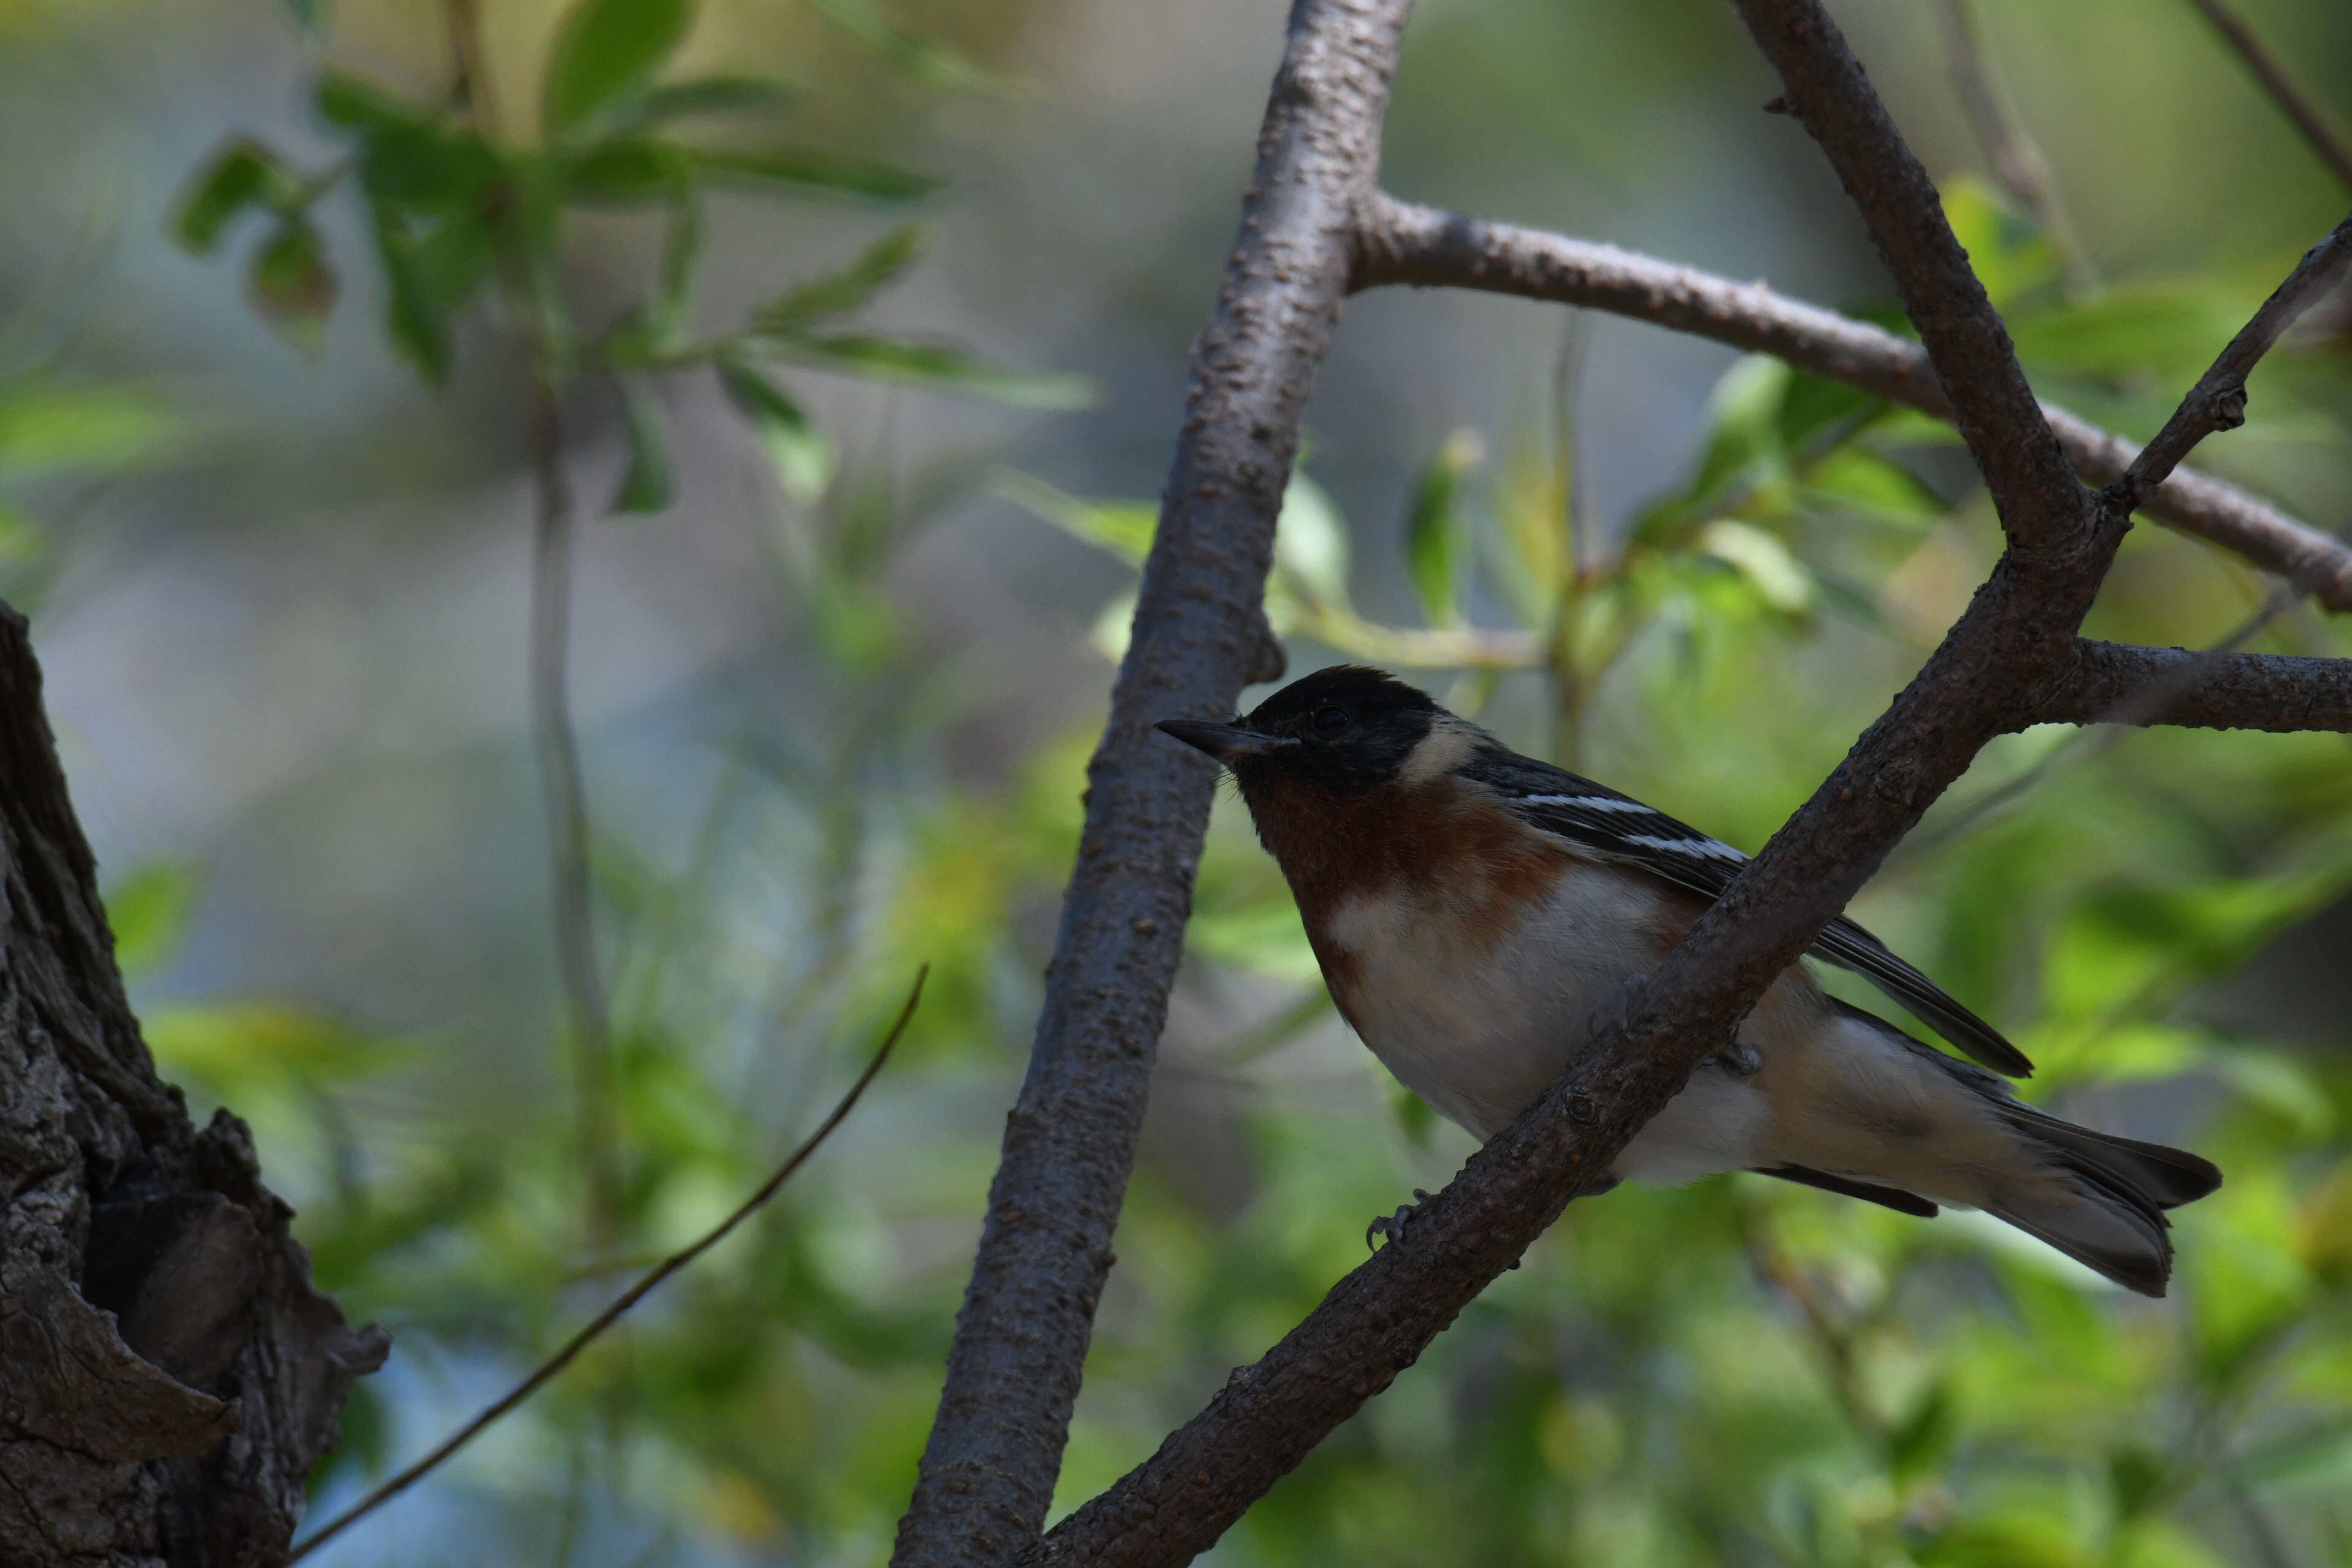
pixel 1229 744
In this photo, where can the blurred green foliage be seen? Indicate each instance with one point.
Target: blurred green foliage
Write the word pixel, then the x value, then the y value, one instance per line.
pixel 1737 1373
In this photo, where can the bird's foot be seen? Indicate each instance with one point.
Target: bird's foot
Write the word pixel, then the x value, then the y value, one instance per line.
pixel 1393 1225
pixel 1739 1062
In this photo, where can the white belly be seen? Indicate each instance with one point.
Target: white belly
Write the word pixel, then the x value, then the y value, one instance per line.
pixel 1480 1032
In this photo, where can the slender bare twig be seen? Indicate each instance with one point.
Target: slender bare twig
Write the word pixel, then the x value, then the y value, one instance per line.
pixel 2218 401
pixel 2282 693
pixel 1399 243
pixel 2332 149
pixel 546 1371
pixel 564 800
pixel 2016 635
pixel 2018 165
pixel 988 1469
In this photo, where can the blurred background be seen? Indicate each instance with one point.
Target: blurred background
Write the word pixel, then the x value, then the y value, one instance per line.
pixel 855 510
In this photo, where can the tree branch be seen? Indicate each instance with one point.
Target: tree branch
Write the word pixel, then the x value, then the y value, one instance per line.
pixel 1399 243
pixel 2016 632
pixel 2218 401
pixel 987 1470
pixel 545 1372
pixel 2115 683
pixel 2331 148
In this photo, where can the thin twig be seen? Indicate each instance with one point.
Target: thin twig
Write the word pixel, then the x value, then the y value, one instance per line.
pixel 547 1370
pixel 2218 401
pixel 2018 165
pixel 2332 149
pixel 564 799
pixel 2134 709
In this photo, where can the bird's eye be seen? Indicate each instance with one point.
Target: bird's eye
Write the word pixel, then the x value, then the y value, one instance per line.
pixel 1328 720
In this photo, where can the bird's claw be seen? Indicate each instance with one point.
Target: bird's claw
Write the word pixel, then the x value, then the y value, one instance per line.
pixel 1393 1225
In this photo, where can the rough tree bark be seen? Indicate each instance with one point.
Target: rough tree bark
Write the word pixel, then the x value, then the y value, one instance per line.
pixel 995 1447
pixel 2012 660
pixel 171 1378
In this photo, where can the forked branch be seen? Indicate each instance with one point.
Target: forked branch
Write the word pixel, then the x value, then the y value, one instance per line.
pixel 2016 641
pixel 1399 243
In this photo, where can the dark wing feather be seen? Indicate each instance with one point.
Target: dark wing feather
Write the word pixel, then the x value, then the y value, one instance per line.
pixel 1600 821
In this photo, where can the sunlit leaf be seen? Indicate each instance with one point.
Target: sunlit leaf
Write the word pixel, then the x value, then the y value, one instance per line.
pixel 2009 255
pixel 148 912
pixel 608 49
pixel 830 173
pixel 232 1043
pixel 840 291
pixel 1763 560
pixel 1310 542
pixel 648 484
pixel 802 457
pixel 45 427
pixel 1123 527
pixel 1437 535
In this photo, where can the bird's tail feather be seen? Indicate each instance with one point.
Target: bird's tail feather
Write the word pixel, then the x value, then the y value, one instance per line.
pixel 2105 1204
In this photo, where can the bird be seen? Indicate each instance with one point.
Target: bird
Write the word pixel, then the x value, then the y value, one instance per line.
pixel 1474 910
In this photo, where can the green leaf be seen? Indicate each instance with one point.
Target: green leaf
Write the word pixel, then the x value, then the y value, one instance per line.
pixel 46 427
pixel 2010 256
pixel 813 169
pixel 802 457
pixel 1435 536
pixel 227 1045
pixel 713 95
pixel 673 308
pixel 845 289
pixel 648 485
pixel 918 58
pixel 351 103
pixel 948 369
pixel 628 169
pixel 431 279
pixel 243 174
pixel 606 50
pixel 292 286
pixel 1778 577
pixel 1122 528
pixel 1310 542
pixel 149 914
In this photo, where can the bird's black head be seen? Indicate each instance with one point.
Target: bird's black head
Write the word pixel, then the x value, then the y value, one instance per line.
pixel 1347 728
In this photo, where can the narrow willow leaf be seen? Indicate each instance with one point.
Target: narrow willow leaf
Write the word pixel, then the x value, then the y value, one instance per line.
pixel 607 50
pixel 648 485
pixel 149 913
pixel 48 428
pixel 241 174
pixel 353 104
pixel 1122 528
pixel 812 169
pixel 948 369
pixel 802 457
pixel 626 169
pixel 845 289
pixel 711 96
pixel 918 58
pixel 1436 534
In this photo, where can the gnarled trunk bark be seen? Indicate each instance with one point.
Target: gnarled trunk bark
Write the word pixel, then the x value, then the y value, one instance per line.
pixel 168 1377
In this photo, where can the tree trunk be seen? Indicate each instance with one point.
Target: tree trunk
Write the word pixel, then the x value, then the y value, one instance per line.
pixel 168 1377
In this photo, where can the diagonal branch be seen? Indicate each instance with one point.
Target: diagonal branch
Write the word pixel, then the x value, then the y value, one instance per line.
pixel 2015 639
pixel 2332 149
pixel 2218 401
pixel 987 1470
pixel 2115 683
pixel 1402 244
